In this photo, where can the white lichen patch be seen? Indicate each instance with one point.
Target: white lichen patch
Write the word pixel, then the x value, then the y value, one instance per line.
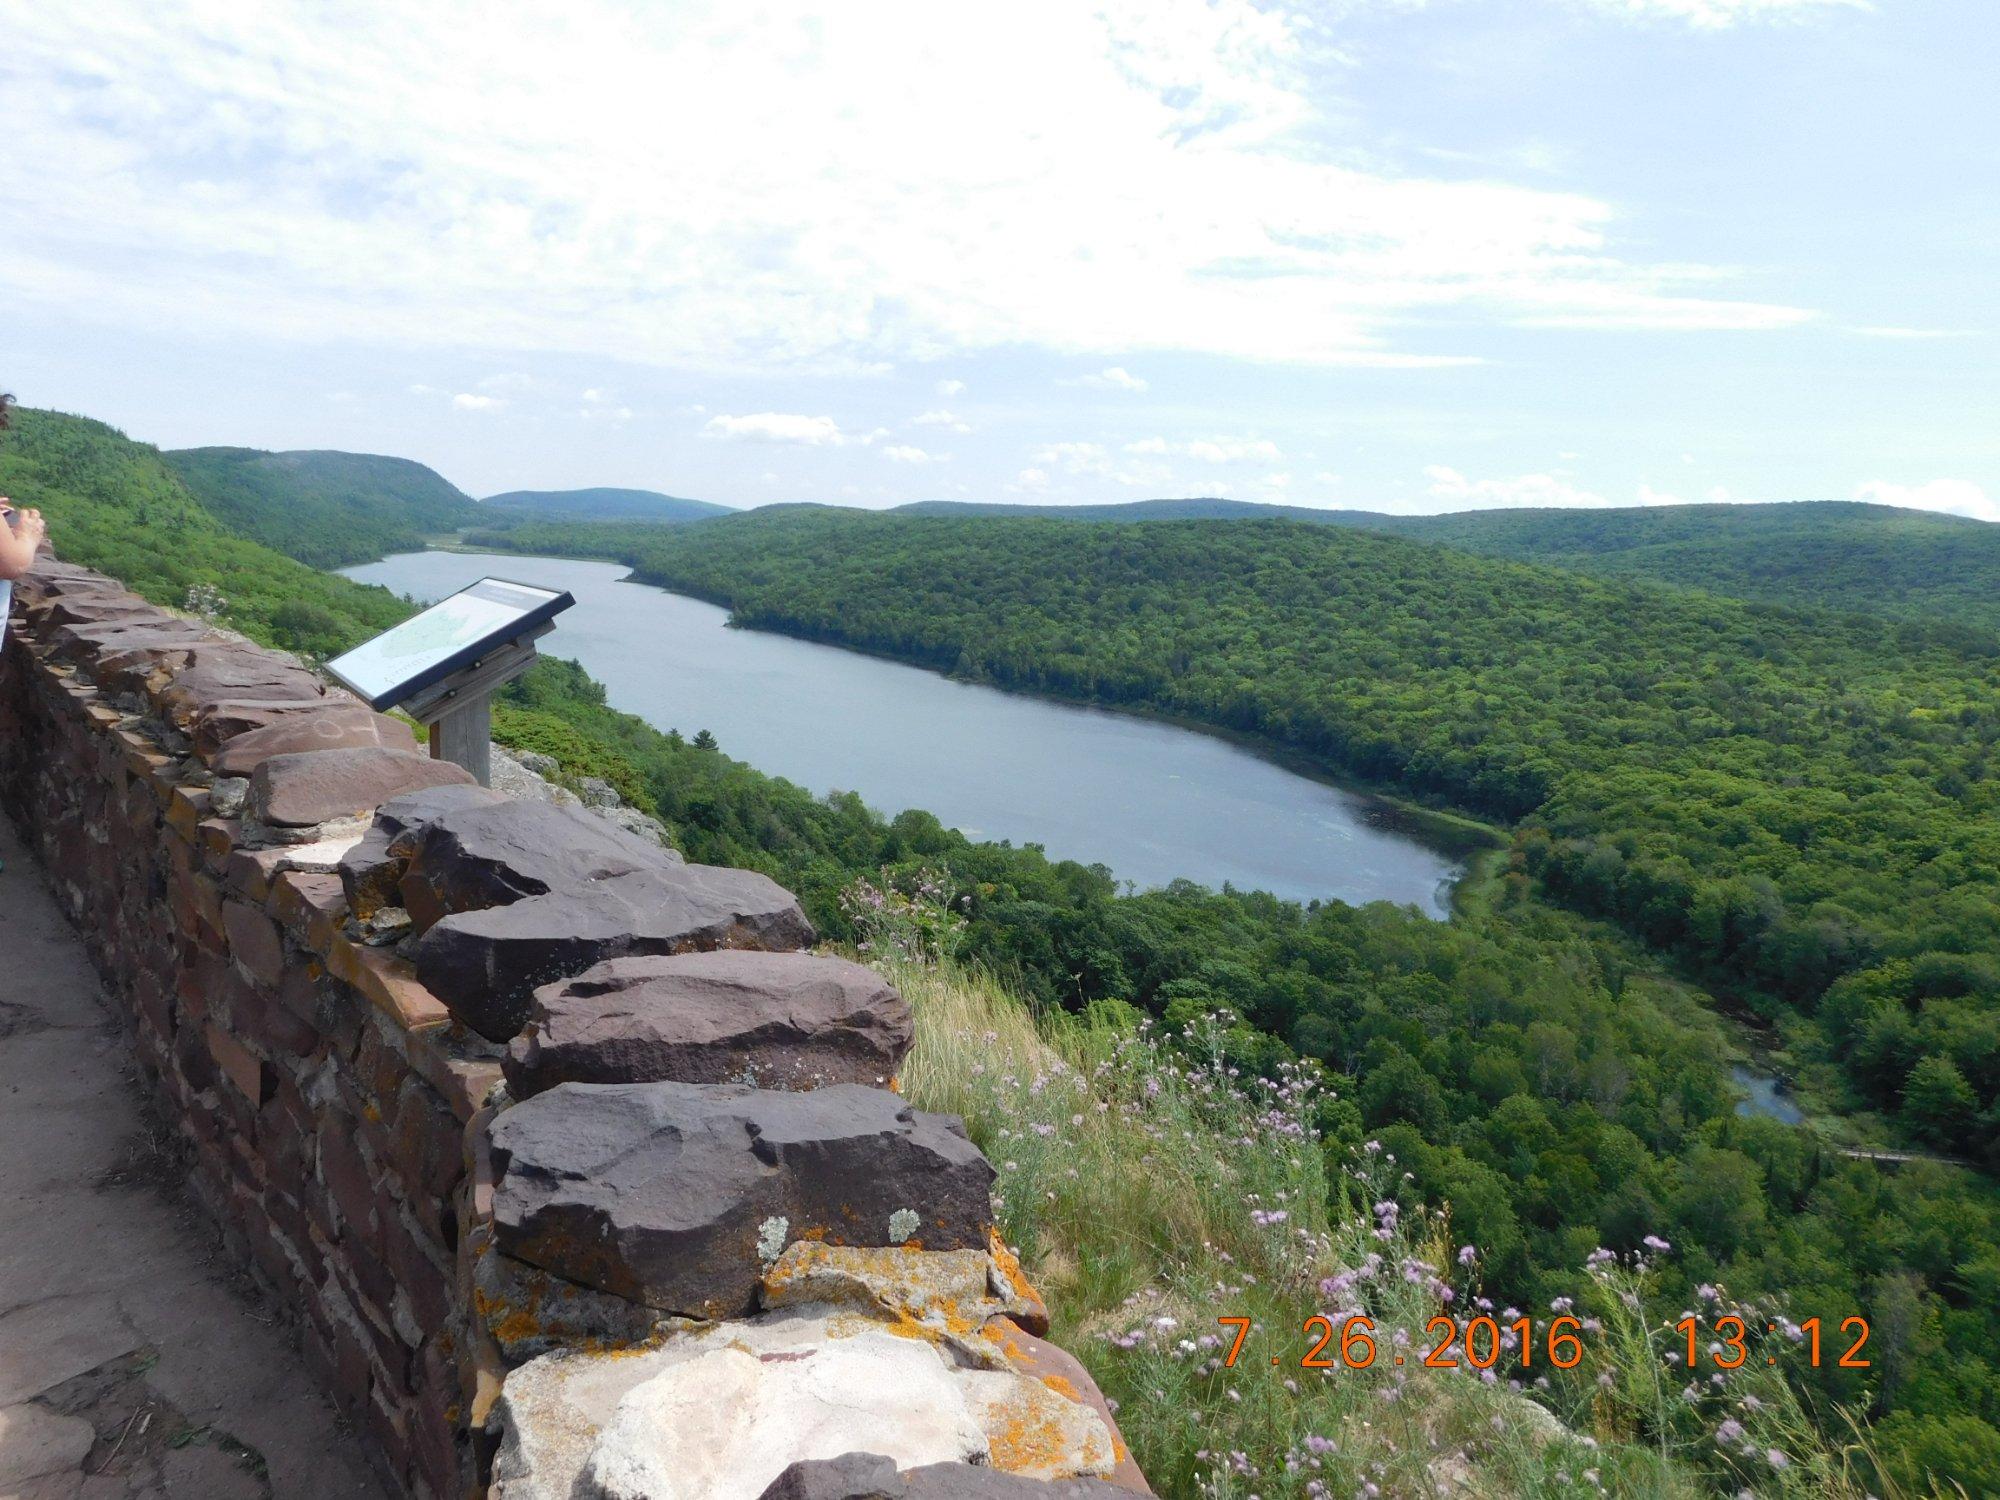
pixel 903 1224
pixel 771 1238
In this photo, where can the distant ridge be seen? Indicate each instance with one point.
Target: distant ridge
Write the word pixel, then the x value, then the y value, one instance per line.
pixel 1200 508
pixel 1833 554
pixel 605 504
pixel 324 507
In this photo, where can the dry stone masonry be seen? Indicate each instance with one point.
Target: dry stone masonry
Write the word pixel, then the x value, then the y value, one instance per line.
pixel 583 1177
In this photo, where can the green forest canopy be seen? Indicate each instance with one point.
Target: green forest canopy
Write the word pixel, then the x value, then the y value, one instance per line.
pixel 1521 1067
pixel 1791 804
pixel 325 508
pixel 1831 554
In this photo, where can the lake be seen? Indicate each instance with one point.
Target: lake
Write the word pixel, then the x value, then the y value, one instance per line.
pixel 1151 801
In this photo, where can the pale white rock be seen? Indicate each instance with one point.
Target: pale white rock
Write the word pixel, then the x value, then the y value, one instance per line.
pixel 1034 1432
pixel 720 1410
pixel 724 1424
pixel 551 1411
pixel 322 856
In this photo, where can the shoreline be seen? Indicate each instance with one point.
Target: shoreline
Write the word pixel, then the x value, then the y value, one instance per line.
pixel 1453 835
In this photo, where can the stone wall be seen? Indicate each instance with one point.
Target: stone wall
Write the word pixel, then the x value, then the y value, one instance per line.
pixel 581 1174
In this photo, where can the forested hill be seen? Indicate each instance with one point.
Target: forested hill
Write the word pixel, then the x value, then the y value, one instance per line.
pixel 1789 803
pixel 1835 554
pixel 1824 554
pixel 600 505
pixel 120 506
pixel 1512 1062
pixel 1204 508
pixel 325 508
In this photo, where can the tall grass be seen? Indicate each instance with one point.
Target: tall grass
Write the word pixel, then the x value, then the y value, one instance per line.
pixel 1152 1192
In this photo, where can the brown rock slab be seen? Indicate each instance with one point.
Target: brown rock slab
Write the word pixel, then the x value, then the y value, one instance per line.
pixel 319 786
pixel 870 1476
pixel 225 671
pixel 479 857
pixel 372 872
pixel 678 1195
pixel 486 965
pixel 778 1020
pixel 239 741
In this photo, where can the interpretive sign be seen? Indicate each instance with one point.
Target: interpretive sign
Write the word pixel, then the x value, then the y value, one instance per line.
pixel 448 637
pixel 443 666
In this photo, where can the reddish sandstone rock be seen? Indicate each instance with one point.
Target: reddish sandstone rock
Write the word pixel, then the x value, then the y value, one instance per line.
pixel 485 965
pixel 125 657
pixel 319 786
pixel 234 739
pixel 97 607
pixel 677 1195
pixel 372 871
pixel 223 671
pixel 779 1020
pixel 495 855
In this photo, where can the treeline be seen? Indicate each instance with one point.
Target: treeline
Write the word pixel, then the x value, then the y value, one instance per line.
pixel 1558 1098
pixel 117 506
pixel 1781 800
pixel 324 508
pixel 1825 554
pixel 1518 1067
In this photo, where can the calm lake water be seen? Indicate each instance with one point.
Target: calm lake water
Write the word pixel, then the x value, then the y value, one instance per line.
pixel 1150 801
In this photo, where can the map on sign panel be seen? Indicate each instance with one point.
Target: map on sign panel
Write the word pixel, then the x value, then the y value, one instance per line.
pixel 446 638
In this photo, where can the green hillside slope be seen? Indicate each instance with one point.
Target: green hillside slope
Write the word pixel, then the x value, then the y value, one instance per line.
pixel 1205 508
pixel 600 505
pixel 1825 554
pixel 119 506
pixel 1785 801
pixel 325 508
pixel 1877 559
pixel 1513 1062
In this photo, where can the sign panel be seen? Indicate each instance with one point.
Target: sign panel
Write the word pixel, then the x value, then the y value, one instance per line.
pixel 446 638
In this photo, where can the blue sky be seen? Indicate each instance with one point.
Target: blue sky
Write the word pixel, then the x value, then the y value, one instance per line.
pixel 1398 254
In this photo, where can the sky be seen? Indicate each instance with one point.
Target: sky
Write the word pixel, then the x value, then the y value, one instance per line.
pixel 1405 255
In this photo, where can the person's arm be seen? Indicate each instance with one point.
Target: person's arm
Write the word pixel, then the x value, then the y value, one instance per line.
pixel 20 537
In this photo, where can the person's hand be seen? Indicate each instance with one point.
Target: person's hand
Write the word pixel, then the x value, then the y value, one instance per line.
pixel 29 525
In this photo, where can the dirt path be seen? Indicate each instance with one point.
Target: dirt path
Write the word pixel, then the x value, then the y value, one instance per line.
pixel 134 1364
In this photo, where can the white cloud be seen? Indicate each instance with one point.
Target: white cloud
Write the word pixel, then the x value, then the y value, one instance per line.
pixel 468 401
pixel 1031 479
pixel 1958 497
pixel 779 427
pixel 1716 14
pixel 613 180
pixel 1912 333
pixel 1075 458
pixel 1112 378
pixel 951 387
pixel 1460 493
pixel 1211 450
pixel 945 419
pixel 902 453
